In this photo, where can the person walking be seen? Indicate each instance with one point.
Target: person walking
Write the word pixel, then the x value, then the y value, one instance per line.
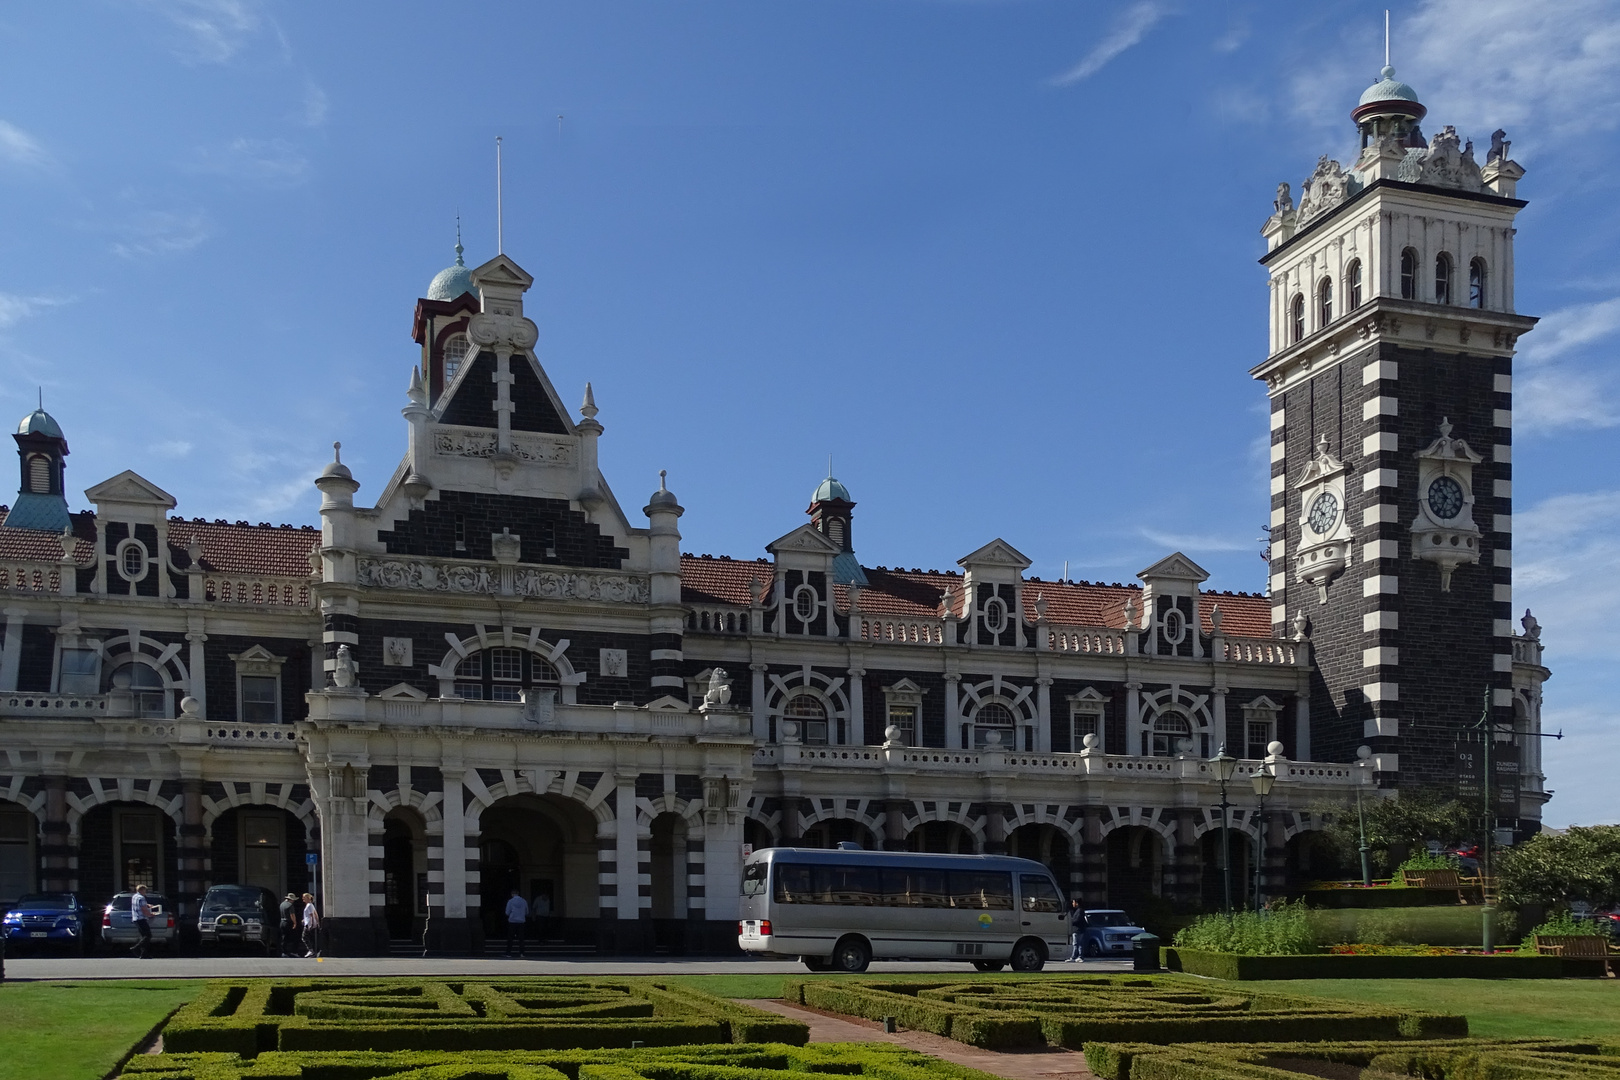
pixel 140 916
pixel 312 926
pixel 517 919
pixel 289 923
pixel 1077 928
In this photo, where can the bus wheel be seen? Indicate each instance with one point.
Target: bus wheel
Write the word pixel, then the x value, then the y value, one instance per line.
pixel 989 965
pixel 1028 955
pixel 851 954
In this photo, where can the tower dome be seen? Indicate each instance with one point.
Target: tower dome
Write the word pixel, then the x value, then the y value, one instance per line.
pixel 1387 88
pixel 40 422
pixel 452 281
pixel 829 490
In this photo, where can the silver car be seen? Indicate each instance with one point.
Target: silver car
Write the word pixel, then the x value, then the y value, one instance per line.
pixel 118 928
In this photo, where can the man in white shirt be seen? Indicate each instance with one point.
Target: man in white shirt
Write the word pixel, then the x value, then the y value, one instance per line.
pixel 517 918
pixel 140 915
pixel 312 926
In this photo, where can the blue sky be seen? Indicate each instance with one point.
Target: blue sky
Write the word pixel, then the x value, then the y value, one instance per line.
pixel 998 258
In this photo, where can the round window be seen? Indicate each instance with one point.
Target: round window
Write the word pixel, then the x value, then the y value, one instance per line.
pixel 805 603
pixel 1175 626
pixel 995 615
pixel 132 560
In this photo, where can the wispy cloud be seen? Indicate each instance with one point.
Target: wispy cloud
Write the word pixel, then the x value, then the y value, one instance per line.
pixel 1130 26
pixel 161 232
pixel 14 308
pixel 211 31
pixel 315 105
pixel 19 148
pixel 275 162
pixel 1236 34
pixel 1561 385
pixel 1197 541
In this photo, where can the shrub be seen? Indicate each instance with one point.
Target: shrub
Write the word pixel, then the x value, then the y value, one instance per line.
pixel 1282 930
pixel 1235 967
pixel 1423 860
pixel 1581 864
pixel 1452 1059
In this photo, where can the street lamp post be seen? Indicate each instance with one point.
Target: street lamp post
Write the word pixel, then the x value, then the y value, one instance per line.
pixel 1225 765
pixel 1363 763
pixel 1263 780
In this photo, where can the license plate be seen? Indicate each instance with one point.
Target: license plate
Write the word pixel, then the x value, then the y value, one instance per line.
pixel 39 933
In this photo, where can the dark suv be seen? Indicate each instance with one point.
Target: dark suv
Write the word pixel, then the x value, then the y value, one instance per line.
pixel 239 915
pixel 46 919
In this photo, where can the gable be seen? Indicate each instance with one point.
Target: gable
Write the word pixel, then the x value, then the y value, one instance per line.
pixel 996 553
pixel 130 487
pixel 806 539
pixel 1175 567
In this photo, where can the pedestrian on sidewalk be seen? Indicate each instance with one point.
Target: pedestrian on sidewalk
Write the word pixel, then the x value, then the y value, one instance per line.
pixel 140 916
pixel 289 924
pixel 312 926
pixel 517 920
pixel 1077 928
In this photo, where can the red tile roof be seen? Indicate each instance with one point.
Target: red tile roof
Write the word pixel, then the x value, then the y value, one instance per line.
pixel 916 594
pixel 240 548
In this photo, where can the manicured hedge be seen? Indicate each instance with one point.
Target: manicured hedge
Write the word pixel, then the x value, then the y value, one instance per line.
pixel 1071 1012
pixel 751 1062
pixel 1455 1059
pixel 1237 967
pixel 250 1017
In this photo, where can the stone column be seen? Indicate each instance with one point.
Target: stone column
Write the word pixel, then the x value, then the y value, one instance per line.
pixel 857 707
pixel 756 694
pixel 995 828
pixel 1218 720
pixel 953 711
pixel 1274 872
pixel 1133 719
pixel 790 819
pixel 1302 727
pixel 191 856
pixel 894 824
pixel 627 864
pixel 1043 715
pixel 1186 861
pixel 196 666
pixel 1093 860
pixel 57 851
pixel 11 654
pixel 457 932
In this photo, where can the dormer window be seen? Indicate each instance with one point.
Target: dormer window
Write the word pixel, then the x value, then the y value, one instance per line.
pixel 1442 278
pixel 132 560
pixel 1324 302
pixel 1352 285
pixel 1409 265
pixel 1476 283
pixel 456 347
pixel 804 603
pixel 39 474
pixel 995 615
pixel 1297 314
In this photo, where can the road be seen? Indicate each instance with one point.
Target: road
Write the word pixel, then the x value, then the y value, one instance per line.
pixel 219 967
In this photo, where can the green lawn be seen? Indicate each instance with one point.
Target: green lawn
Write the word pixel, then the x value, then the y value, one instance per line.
pixel 79 1030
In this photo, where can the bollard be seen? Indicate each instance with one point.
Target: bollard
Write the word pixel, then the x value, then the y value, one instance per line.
pixel 1145 952
pixel 890 1025
pixel 1487 914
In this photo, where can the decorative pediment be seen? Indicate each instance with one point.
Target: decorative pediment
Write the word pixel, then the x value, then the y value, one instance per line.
pixel 1326 189
pixel 403 692
pixel 668 703
pixel 1321 466
pixel 1089 696
pixel 1449 164
pixel 502 271
pixel 1175 567
pixel 1445 448
pixel 905 692
pixel 130 488
pixel 1261 704
pixel 996 553
pixel 805 539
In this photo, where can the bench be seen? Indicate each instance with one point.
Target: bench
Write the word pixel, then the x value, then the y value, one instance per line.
pixel 1578 947
pixel 1431 879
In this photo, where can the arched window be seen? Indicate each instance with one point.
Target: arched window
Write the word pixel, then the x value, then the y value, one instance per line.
pixel 1352 285
pixel 39 474
pixel 1324 302
pixel 456 347
pixel 1297 314
pixel 996 717
pixel 1172 734
pixel 502 674
pixel 1442 278
pixel 811 714
pixel 1409 265
pixel 145 685
pixel 1476 283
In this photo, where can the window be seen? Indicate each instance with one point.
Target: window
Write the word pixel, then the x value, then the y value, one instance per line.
pixel 132 560
pixel 805 603
pixel 140 849
pixel 1442 278
pixel 1040 895
pixel 262 838
pixel 470 677
pixel 456 347
pixel 461 533
pixel 904 717
pixel 1172 734
pixel 1352 285
pixel 39 474
pixel 16 853
pixel 1324 302
pixel 145 685
pixel 1085 719
pixel 79 671
pixel 835 531
pixel 995 615
pixel 1175 626
pixel 1297 315
pixel 996 717
pixel 1409 265
pixel 811 714
pixel 1476 283
pixel 261 699
pixel 504 676
pixel 1259 737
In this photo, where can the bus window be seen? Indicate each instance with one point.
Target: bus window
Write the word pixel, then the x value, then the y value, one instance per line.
pixel 753 883
pixel 794 884
pixel 1039 893
pixel 980 889
pixel 857 885
pixel 915 888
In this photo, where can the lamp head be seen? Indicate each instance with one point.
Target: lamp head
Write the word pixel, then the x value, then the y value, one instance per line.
pixel 1263 781
pixel 1225 764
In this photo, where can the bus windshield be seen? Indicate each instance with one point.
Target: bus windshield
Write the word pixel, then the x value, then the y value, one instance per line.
pixel 753 881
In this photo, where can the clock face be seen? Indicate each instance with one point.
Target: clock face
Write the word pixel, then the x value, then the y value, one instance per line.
pixel 1324 512
pixel 1445 498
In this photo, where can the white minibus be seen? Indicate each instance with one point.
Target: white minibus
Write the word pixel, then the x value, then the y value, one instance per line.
pixel 841 909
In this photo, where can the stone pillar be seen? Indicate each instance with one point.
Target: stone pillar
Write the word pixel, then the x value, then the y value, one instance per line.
pixel 1274 872
pixel 894 824
pixel 756 705
pixel 790 820
pixel 1133 719
pixel 1186 862
pixel 457 932
pixel 857 707
pixel 1302 728
pixel 1043 714
pixel 953 711
pixel 628 931
pixel 191 857
pixel 1218 720
pixel 995 828
pixel 196 665
pixel 57 852
pixel 1093 860
pixel 11 654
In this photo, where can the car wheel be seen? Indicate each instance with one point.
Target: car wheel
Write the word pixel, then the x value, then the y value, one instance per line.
pixel 989 965
pixel 1028 955
pixel 814 963
pixel 1091 949
pixel 851 954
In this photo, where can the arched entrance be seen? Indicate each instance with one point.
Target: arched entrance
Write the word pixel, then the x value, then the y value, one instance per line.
pixel 942 838
pixel 669 893
pixel 1135 868
pixel 545 847
pixel 756 835
pixel 1048 845
pixel 259 845
pixel 125 844
pixel 831 832
pixel 404 874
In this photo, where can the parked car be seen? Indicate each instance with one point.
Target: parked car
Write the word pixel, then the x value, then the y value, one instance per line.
pixel 239 915
pixel 42 920
pixel 1108 932
pixel 1608 921
pixel 118 928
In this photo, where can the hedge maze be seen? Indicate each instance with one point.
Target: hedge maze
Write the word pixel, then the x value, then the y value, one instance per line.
pixel 880 1062
pixel 1071 1012
pixel 250 1016
pixel 1466 1059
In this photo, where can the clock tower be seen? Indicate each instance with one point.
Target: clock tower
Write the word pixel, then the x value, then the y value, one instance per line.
pixel 1390 373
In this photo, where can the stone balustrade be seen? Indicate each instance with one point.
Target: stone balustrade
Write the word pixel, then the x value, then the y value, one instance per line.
pixel 261 591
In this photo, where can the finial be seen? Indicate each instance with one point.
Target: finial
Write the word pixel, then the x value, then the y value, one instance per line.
pixel 459 248
pixel 662 474
pixel 829 467
pixel 337 452
pixel 42 399
pixel 589 403
pixel 500 242
pixel 1389 72
pixel 1445 427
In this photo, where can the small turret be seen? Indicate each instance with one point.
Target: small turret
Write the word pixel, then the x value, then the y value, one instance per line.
pixel 41 497
pixel 830 513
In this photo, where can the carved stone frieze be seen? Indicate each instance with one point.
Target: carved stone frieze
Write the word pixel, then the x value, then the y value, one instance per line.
pixel 1328 187
pixel 475 443
pixel 495 580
